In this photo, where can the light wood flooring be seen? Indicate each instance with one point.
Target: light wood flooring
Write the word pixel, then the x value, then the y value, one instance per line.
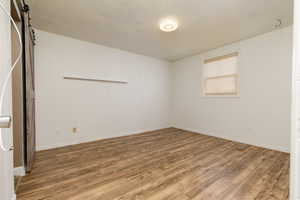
pixel 168 164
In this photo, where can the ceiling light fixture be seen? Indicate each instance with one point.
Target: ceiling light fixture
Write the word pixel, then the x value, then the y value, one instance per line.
pixel 168 25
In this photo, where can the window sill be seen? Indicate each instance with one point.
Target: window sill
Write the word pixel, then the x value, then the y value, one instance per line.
pixel 221 96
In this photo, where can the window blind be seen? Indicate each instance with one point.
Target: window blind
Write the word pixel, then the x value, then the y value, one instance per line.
pixel 220 75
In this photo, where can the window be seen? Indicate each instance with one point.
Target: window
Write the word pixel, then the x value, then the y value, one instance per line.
pixel 220 76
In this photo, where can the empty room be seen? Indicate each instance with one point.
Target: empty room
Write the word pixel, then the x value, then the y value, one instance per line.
pixel 149 100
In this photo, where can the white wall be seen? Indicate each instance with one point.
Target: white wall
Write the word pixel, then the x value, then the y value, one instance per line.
pixel 98 110
pixel 6 158
pixel 261 115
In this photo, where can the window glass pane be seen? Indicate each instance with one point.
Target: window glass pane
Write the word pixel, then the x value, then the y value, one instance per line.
pixel 222 67
pixel 222 85
pixel 220 75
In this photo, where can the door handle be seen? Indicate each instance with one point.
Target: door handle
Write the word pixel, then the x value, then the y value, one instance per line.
pixel 5 121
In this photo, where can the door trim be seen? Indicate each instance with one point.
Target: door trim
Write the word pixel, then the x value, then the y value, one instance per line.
pixel 295 160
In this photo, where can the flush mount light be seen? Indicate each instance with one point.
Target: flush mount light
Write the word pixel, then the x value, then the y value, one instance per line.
pixel 168 25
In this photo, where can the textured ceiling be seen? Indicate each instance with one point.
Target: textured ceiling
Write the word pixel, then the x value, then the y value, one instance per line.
pixel 132 25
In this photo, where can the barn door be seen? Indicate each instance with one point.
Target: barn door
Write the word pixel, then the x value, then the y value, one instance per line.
pixel 30 136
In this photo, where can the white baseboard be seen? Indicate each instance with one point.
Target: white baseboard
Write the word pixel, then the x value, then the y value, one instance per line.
pixel 19 171
pixel 92 139
pixel 14 197
pixel 262 145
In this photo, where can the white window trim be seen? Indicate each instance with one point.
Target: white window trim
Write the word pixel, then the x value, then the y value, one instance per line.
pixel 215 58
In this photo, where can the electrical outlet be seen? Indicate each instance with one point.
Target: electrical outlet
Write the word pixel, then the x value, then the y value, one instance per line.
pixel 74 130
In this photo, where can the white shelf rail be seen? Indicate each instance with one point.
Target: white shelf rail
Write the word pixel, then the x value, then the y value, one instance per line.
pixel 79 78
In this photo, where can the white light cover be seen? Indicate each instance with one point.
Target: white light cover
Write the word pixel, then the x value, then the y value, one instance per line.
pixel 168 25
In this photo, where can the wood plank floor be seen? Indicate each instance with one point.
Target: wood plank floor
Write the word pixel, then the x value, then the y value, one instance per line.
pixel 168 164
